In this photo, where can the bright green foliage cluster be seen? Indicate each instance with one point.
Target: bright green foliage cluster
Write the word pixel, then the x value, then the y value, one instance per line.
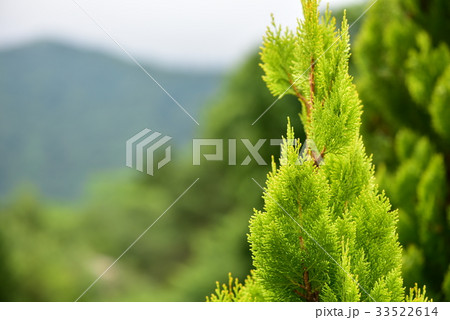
pixel 236 292
pixel 403 57
pixel 326 233
pixel 416 295
pixel 307 64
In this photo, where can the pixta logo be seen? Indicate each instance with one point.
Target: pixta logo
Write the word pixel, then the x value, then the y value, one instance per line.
pixel 144 145
pixel 307 152
pixel 141 149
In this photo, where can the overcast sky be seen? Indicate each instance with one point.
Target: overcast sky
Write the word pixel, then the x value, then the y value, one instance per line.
pixel 196 33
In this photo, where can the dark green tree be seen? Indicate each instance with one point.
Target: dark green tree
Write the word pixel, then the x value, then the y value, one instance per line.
pixel 403 61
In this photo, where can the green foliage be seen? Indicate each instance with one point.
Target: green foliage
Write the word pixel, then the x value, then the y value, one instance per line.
pixel 278 240
pixel 440 100
pixel 403 58
pixel 32 266
pixel 237 292
pixel 325 233
pixel 415 295
pixel 52 253
pixel 446 284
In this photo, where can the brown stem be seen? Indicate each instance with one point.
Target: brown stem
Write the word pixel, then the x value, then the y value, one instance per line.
pixel 302 243
pixel 310 295
pixel 301 294
pixel 300 96
pixel 312 85
pixel 316 160
pixel 306 280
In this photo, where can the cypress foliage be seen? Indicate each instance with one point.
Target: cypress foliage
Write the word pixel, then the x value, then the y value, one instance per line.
pixel 403 58
pixel 326 233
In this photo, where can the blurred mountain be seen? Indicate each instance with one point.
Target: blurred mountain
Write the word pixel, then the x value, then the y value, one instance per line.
pixel 67 112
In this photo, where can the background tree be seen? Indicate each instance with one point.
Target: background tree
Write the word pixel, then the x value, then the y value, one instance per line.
pixel 403 60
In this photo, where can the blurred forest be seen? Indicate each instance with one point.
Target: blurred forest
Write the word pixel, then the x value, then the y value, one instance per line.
pixel 52 251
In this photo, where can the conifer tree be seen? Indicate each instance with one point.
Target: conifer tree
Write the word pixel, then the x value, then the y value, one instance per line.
pixel 403 59
pixel 326 233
